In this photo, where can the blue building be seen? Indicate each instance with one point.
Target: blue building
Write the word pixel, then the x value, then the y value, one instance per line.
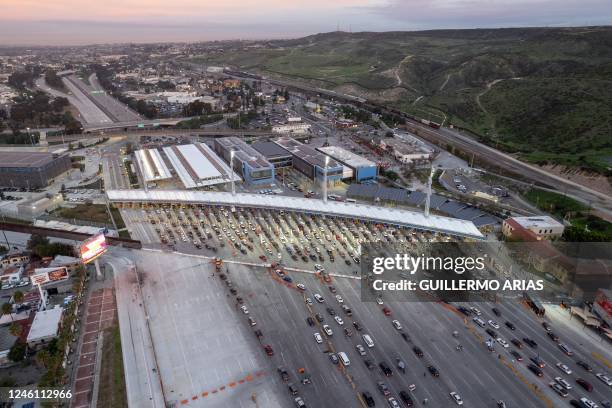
pixel 248 162
pixel 357 167
pixel 311 162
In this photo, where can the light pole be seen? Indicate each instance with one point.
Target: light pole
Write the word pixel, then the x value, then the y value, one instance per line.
pixel 232 153
pixel 30 136
pixel 325 180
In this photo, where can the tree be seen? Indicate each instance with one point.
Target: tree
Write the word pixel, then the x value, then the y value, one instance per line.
pixel 15 329
pixel 17 352
pixel 18 297
pixel 7 309
pixel 43 357
pixel 35 240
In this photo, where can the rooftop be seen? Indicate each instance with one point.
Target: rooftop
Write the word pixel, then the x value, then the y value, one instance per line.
pixel 45 324
pixel 541 221
pixel 347 157
pixel 270 149
pixel 244 152
pixel 394 216
pixel 152 165
pixel 25 159
pixel 306 153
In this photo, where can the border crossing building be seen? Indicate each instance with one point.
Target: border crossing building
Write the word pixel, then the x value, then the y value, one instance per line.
pixel 250 164
pixel 356 167
pixel 311 162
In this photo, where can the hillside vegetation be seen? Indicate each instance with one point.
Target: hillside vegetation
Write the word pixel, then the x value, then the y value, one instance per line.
pixel 545 94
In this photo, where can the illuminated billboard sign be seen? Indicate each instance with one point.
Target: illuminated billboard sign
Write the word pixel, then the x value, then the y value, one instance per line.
pixel 39 278
pixel 93 248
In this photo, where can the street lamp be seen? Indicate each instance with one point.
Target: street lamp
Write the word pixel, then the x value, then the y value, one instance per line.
pixel 30 136
pixel 325 180
pixel 232 153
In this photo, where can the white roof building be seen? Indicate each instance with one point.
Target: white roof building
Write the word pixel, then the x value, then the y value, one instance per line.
pixel 45 326
pixel 152 165
pixel 387 215
pixel 198 166
pixel 346 157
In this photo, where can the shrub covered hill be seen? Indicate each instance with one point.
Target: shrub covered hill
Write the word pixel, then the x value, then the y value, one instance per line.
pixel 544 93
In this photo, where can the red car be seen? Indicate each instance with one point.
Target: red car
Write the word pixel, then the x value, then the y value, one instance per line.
pixel 268 349
pixel 585 384
pixel 386 311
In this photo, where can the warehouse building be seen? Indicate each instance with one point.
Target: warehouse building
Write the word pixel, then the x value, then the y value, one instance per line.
pixel 152 165
pixel 279 157
pixel 309 161
pixel 359 168
pixel 31 169
pixel 250 164
pixel 198 166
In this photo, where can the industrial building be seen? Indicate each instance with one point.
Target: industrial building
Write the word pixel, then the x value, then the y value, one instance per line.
pixel 279 157
pixel 540 227
pixel 250 164
pixel 31 169
pixel 152 166
pixel 198 166
pixel 359 168
pixel 404 151
pixel 311 162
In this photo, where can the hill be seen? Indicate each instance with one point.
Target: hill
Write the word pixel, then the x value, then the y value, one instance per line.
pixel 544 93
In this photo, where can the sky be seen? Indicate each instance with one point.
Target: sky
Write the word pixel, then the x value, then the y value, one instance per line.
pixel 76 22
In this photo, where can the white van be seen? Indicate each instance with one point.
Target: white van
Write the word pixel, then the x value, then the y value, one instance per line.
pixel 344 359
pixel 368 340
pixel 479 321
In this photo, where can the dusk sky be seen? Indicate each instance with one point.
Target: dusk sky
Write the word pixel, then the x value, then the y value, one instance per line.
pixel 59 22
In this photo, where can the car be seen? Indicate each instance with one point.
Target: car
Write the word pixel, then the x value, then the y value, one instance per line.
pixel 503 342
pixel 584 384
pixel 310 321
pixel 332 289
pixel 417 351
pixel 318 338
pixel 433 371
pixel 348 332
pixel 491 333
pixel 516 355
pixel 562 382
pixel 357 326
pixel 319 317
pixel 299 402
pixel 339 320
pixel 328 330
pixel 479 321
pixel 405 397
pixel 585 365
pixel 475 311
pixel 319 298
pixel 496 311
pixel 493 324
pixel 244 309
pixel 331 311
pixel 283 374
pixel 360 349
pixel 517 343
pixel 535 369
pixel 553 336
pixel 339 299
pixel 587 403
pixel 386 370
pixel 538 361
pixel 530 342
pixel 558 388
pixel 300 286
pixel 367 398
pixel 369 364
pixel 464 310
pixel 604 379
pixel 393 402
pixel 564 348
pixel 564 368
pixel 347 310
pixel 268 349
pixel 397 324
pixel 334 358
pixel 406 337
pixel 386 311
pixel 287 278
pixel 308 301
pixel 457 398
pixel 382 387
pixel 606 404
pixel 510 325
pixel 546 326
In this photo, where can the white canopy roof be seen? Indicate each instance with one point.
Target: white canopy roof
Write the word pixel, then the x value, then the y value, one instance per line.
pixel 395 216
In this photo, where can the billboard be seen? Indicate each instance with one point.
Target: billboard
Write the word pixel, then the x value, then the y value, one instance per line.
pixel 93 248
pixel 46 275
pixel 39 278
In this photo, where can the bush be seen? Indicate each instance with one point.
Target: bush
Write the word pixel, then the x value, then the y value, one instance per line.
pixel 17 351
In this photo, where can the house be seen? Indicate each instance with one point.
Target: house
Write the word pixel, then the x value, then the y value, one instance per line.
pixel 45 327
pixel 540 227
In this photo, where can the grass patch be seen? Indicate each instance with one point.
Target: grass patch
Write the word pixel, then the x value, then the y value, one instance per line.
pixel 554 203
pixel 90 212
pixel 112 391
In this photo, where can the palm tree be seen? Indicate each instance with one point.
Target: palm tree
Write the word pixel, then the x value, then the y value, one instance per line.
pixel 7 309
pixel 43 357
pixel 18 297
pixel 15 329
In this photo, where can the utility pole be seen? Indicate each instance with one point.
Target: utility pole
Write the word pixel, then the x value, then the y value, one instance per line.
pixel 428 198
pixel 232 153
pixel 325 180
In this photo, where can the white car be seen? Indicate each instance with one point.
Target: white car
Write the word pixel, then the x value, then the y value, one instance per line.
pixel 319 298
pixel 457 398
pixel 339 320
pixel 493 324
pixel 318 338
pixel 562 382
pixel 397 324
pixel 244 309
pixel 360 350
pixel 300 286
pixel 564 368
pixel 339 299
pixel 588 403
pixel 503 342
pixel 308 301
pixel 327 330
pixel 605 379
pixel 475 311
